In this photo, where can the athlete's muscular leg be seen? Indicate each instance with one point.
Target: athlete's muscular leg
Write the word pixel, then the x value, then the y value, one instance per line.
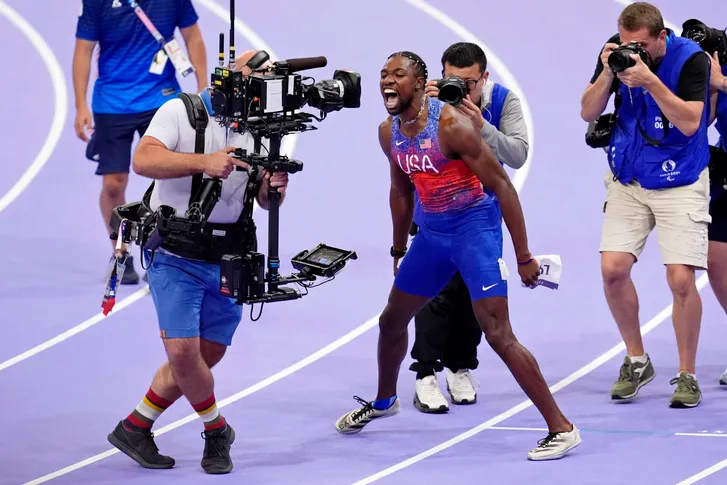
pixel 493 315
pixel 394 337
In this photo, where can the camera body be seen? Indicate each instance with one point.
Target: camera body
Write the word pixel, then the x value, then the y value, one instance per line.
pixel 599 132
pixel 452 90
pixel 620 58
pixel 711 40
pixel 278 90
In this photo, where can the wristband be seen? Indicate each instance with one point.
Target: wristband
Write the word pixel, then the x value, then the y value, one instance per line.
pixel 525 262
pixel 397 253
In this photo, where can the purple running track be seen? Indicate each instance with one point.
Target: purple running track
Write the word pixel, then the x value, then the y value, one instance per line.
pixel 61 403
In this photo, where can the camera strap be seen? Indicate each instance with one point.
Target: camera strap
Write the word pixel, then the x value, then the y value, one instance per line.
pixel 169 50
pixel 664 122
pixel 197 116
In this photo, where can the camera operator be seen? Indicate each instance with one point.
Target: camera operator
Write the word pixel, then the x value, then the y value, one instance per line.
pixel 197 323
pixel 658 159
pixel 447 331
pixel 717 269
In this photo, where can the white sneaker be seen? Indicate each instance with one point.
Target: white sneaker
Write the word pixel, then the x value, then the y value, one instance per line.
pixel 428 398
pixel 555 445
pixel 723 378
pixel 461 386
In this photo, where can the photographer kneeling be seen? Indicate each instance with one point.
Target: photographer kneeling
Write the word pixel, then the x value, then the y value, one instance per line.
pixel 197 323
pixel 658 155
pixel 447 331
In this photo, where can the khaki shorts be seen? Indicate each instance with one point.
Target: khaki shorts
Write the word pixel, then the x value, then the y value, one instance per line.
pixel 680 214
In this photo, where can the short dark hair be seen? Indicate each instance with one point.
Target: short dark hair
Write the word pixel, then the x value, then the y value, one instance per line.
pixel 420 65
pixel 465 54
pixel 639 15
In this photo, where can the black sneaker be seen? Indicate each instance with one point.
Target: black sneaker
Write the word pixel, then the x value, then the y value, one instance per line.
pixel 130 277
pixel 140 447
pixel 216 458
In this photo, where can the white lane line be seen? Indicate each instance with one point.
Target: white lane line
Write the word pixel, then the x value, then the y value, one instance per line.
pixel 234 398
pixel 704 473
pixel 637 433
pixel 287 147
pixel 99 317
pixel 508 79
pixel 60 107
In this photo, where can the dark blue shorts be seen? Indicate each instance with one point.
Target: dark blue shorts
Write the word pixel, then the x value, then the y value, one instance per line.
pixel 470 243
pixel 110 144
pixel 188 302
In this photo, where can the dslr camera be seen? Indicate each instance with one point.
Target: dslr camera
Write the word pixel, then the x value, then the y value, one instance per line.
pixel 709 39
pixel 620 59
pixel 452 90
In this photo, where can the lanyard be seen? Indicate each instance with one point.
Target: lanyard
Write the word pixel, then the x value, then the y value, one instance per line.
pixel 146 21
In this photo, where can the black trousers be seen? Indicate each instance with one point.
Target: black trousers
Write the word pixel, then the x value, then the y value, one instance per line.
pixel 447 332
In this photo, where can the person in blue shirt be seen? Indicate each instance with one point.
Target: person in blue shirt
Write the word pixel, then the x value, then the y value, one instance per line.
pixel 658 177
pixel 133 82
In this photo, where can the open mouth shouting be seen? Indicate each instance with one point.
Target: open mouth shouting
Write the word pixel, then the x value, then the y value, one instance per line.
pixel 391 99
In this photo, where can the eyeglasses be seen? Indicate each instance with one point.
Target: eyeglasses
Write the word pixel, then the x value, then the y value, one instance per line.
pixel 470 83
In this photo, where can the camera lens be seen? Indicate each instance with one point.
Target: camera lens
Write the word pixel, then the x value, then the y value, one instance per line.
pixel 620 59
pixel 452 90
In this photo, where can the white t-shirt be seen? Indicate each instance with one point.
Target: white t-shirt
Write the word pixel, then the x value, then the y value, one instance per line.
pixel 170 125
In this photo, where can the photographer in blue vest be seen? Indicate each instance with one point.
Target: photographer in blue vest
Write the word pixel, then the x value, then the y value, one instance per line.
pixel 717 270
pixel 658 157
pixel 447 332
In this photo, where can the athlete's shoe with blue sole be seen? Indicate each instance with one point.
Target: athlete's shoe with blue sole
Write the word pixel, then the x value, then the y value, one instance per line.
pixel 354 421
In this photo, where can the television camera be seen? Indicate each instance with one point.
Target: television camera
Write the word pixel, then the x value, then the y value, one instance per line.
pixel 265 104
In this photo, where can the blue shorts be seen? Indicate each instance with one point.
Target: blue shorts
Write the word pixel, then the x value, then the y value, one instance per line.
pixel 188 302
pixel 110 144
pixel 470 243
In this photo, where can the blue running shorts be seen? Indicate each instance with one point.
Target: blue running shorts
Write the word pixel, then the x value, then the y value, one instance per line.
pixel 469 242
pixel 188 302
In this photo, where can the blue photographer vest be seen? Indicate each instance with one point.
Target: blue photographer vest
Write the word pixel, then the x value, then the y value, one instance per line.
pixel 722 116
pixel 499 94
pixel 679 159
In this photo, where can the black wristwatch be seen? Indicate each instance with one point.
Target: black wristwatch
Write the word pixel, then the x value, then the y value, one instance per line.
pixel 397 253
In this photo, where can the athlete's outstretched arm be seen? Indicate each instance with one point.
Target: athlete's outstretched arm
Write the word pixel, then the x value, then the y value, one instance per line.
pixel 458 136
pixel 401 193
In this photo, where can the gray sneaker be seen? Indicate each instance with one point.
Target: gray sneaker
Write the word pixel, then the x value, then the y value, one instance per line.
pixel 632 377
pixel 687 393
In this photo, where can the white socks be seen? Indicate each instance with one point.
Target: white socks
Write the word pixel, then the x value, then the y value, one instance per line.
pixel 642 359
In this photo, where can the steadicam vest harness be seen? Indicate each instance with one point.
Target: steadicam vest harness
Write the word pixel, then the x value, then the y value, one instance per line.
pixel 215 239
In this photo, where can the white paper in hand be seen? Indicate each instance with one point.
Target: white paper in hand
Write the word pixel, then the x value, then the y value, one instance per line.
pixel 551 268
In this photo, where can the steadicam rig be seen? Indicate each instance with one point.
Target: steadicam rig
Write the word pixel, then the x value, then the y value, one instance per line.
pixel 243 277
pixel 265 105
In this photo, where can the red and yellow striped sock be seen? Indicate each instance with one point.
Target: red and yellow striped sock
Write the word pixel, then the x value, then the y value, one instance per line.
pixel 209 413
pixel 148 411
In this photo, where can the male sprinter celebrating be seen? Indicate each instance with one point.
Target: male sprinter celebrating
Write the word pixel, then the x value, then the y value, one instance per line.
pixel 437 148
